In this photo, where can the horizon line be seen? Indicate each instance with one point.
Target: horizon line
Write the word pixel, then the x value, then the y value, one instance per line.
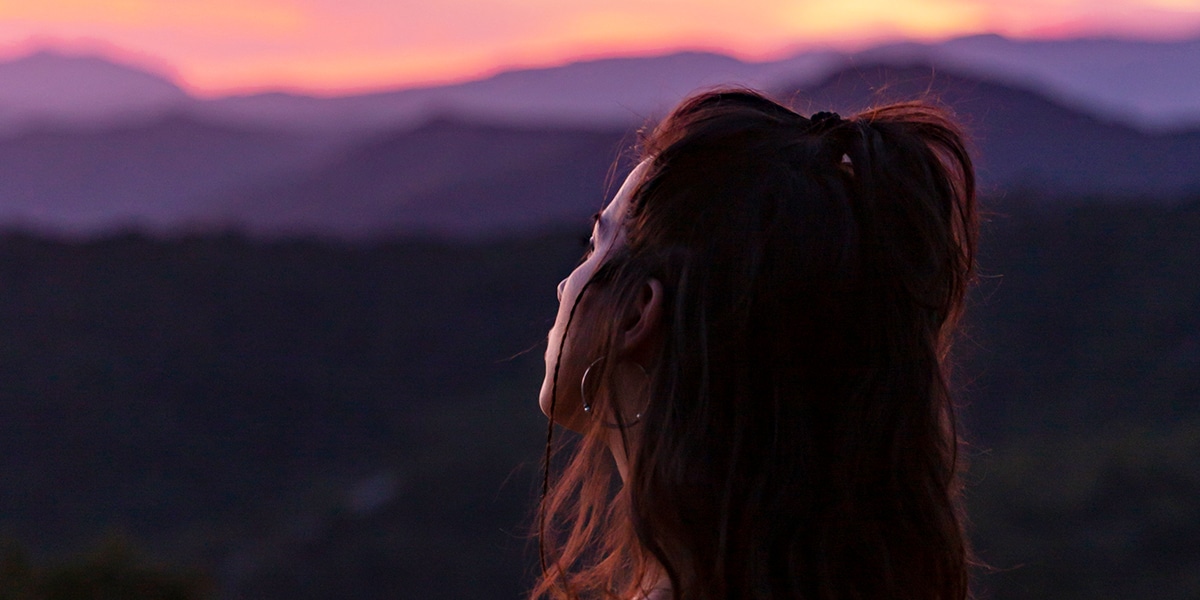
pixel 164 69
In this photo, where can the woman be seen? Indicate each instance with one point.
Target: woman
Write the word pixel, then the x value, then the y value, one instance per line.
pixel 754 353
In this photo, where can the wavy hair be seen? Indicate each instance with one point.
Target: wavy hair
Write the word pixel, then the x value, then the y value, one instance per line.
pixel 799 436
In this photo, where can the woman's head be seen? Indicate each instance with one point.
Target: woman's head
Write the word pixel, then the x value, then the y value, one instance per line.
pixel 763 329
pixel 567 358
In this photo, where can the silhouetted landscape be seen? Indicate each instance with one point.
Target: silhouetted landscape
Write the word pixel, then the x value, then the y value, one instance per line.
pixel 267 362
pixel 291 416
pixel 459 173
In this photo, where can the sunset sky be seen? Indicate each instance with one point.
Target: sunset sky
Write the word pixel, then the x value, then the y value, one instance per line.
pixel 218 46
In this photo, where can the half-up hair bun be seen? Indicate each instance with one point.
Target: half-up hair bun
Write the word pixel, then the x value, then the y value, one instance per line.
pixel 802 426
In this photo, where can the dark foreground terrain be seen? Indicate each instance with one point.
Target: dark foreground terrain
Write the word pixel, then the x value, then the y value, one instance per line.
pixel 216 417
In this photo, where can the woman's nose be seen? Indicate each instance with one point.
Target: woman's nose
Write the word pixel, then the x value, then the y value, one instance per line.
pixel 561 286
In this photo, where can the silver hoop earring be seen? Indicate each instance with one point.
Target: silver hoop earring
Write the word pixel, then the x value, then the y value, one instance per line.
pixel 587 407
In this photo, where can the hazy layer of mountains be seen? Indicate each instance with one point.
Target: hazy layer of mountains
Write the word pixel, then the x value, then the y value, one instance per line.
pixel 91 146
pixel 1150 84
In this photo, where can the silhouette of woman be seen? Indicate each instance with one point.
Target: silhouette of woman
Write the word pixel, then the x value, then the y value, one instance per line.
pixel 753 351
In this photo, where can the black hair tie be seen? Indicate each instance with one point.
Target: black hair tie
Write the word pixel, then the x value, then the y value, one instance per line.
pixel 821 117
pixel 823 121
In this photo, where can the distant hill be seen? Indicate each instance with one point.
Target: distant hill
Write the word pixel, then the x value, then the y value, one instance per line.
pixel 156 176
pixel 443 178
pixel 52 88
pixel 466 177
pixel 1023 139
pixel 1148 85
pixel 605 93
pixel 456 178
pixel 1151 85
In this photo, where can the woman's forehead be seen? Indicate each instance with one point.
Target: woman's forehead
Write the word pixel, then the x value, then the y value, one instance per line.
pixel 620 202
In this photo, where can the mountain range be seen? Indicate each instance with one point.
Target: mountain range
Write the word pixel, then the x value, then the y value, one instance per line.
pixel 1151 85
pixel 89 146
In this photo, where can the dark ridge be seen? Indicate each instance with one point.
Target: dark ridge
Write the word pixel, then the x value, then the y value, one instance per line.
pixel 1025 141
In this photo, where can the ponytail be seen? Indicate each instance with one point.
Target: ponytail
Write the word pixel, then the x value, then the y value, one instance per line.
pixel 913 169
pixel 799 438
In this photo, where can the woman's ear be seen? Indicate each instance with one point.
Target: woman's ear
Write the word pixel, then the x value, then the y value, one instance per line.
pixel 642 323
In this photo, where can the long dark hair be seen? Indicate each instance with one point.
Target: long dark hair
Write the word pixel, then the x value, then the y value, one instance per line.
pixel 799 439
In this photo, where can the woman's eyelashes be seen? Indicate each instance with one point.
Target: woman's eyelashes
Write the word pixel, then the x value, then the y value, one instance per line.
pixel 588 242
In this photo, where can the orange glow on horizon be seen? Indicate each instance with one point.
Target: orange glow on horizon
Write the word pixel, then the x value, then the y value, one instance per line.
pixel 260 17
pixel 216 47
